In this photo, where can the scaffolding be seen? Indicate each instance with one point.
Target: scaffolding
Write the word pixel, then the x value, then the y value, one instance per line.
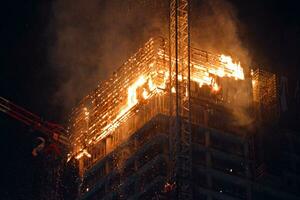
pixel 102 107
pixel 265 95
pixel 179 38
pixel 114 126
pixel 105 112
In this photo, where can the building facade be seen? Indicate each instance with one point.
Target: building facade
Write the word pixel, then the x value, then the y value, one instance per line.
pixel 123 135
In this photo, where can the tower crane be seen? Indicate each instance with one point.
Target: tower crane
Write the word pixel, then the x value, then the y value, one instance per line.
pixel 54 132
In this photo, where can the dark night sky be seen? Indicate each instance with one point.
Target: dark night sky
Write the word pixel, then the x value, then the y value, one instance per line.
pixel 271 32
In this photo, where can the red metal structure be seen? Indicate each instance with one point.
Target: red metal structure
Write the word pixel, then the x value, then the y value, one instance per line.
pixel 54 132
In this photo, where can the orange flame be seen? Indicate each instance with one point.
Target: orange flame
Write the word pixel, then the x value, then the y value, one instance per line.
pixel 202 75
pixel 235 69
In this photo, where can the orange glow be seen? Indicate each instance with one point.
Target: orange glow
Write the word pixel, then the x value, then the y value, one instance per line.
pixel 156 81
pixel 215 87
pixel 235 68
pixel 132 100
pixel 173 90
pixel 82 153
pixel 145 93
pixel 151 85
pixel 202 76
pixel 132 96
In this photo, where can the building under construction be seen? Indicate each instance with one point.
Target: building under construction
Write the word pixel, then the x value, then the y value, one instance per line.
pixel 176 122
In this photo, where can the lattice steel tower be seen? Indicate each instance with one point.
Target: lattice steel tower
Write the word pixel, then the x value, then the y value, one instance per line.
pixel 179 42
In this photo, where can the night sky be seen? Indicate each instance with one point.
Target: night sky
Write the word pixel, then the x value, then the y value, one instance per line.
pixel 270 30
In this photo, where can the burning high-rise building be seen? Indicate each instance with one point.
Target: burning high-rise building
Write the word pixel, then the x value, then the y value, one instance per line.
pixel 175 122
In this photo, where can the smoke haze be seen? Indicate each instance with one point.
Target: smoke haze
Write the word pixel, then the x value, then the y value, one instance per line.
pixel 92 38
pixel 216 28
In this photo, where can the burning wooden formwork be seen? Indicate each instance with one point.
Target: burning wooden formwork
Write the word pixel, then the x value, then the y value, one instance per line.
pixel 115 101
pixel 140 89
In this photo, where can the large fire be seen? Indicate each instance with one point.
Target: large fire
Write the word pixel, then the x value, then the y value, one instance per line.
pixel 204 75
pixel 145 76
pixel 147 85
pixel 148 90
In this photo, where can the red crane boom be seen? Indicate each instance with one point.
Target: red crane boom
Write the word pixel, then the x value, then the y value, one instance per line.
pixel 54 131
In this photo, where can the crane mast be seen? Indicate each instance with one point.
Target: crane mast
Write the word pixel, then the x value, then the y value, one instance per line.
pixel 179 47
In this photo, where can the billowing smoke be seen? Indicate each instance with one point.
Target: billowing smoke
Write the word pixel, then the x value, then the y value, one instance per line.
pixel 92 38
pixel 216 28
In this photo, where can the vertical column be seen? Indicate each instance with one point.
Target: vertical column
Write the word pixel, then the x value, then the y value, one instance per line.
pixel 247 169
pixel 205 116
pixel 108 144
pixel 288 136
pixel 81 171
pixel 137 183
pixel 208 163
pixel 180 78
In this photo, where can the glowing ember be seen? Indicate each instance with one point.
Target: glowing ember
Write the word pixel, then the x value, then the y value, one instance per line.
pixel 82 153
pixel 173 90
pixel 132 96
pixel 215 87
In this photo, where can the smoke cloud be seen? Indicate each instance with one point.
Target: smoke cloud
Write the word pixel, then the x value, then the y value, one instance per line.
pixel 92 38
pixel 216 28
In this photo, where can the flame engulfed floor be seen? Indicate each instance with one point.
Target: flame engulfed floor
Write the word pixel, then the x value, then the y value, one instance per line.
pixel 140 89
